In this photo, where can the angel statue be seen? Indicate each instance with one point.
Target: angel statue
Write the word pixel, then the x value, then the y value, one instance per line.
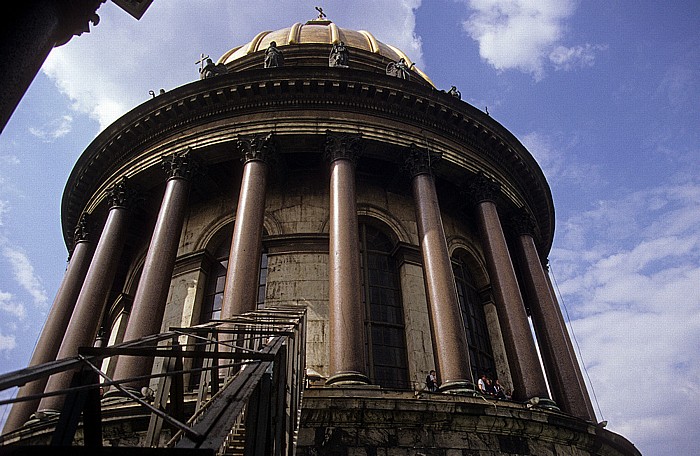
pixel 399 69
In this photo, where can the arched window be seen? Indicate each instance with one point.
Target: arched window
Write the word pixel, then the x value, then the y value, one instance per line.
pixel 474 319
pixel 386 344
pixel 214 288
pixel 262 279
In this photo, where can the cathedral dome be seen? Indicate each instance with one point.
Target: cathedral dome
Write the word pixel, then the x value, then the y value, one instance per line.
pixel 314 38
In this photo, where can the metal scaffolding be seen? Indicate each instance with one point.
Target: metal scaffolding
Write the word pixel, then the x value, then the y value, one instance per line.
pixel 225 387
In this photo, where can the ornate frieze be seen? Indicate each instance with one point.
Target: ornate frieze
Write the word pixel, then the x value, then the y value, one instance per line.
pixel 420 161
pixel 257 147
pixel 196 104
pixel 346 146
pixel 121 195
pixel 181 164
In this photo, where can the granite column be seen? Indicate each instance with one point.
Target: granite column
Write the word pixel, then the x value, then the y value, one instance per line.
pixel 91 301
pixel 450 339
pixel 347 346
pixel 152 292
pixel 559 361
pixel 528 378
pixel 57 321
pixel 240 289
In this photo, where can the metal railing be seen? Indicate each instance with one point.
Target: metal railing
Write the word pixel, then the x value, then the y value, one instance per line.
pixel 246 376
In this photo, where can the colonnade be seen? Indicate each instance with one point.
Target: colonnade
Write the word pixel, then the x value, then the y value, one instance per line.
pixel 82 297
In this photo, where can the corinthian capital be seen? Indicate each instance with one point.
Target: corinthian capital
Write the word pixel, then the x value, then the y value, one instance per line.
pixel 522 222
pixel 257 147
pixel 82 229
pixel 121 194
pixel 420 161
pixel 343 146
pixel 482 188
pixel 181 164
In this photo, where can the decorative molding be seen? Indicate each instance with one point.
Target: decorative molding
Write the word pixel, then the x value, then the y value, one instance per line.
pixel 260 147
pixel 407 253
pixel 197 261
pixel 343 146
pixel 481 188
pixel 296 243
pixel 241 94
pixel 122 195
pixel 83 229
pixel 522 222
pixel 182 165
pixel 420 161
pixel 486 295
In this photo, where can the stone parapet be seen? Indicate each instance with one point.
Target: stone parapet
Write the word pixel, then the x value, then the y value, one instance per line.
pixel 356 421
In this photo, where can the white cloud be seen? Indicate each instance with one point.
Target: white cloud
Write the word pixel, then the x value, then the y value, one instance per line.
pixel 631 280
pixel 8 305
pixel 9 159
pixel 525 35
pixel 7 343
pixel 567 58
pixel 24 274
pixel 4 209
pixel 54 129
pixel 559 166
pixel 548 157
pixel 111 69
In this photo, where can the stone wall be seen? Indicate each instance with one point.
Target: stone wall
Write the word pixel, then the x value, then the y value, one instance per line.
pixel 365 422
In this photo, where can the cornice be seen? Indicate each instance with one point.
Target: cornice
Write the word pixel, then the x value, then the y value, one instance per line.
pixel 205 102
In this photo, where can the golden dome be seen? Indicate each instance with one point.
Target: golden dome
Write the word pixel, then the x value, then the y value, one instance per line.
pixel 320 31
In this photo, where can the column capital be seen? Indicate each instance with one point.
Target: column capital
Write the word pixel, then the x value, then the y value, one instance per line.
pixel 420 161
pixel 261 147
pixel 83 229
pixel 122 194
pixel 481 188
pixel 182 164
pixel 523 223
pixel 346 146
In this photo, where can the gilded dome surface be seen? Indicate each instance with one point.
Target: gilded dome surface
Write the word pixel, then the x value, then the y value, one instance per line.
pixel 320 31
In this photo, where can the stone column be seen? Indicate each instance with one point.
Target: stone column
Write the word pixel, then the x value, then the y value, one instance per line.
pixel 559 362
pixel 451 348
pixel 241 287
pixel 528 378
pixel 152 291
pixel 56 323
pixel 579 374
pixel 500 357
pixel 347 315
pixel 91 301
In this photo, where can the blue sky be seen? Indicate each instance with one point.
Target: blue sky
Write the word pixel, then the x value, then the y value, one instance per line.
pixel 604 93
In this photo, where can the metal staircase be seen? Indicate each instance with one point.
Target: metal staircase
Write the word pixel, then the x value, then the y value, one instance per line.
pixel 247 400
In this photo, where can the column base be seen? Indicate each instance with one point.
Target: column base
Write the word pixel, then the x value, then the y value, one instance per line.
pixel 142 393
pixel 542 403
pixel 44 415
pixel 458 388
pixel 347 378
